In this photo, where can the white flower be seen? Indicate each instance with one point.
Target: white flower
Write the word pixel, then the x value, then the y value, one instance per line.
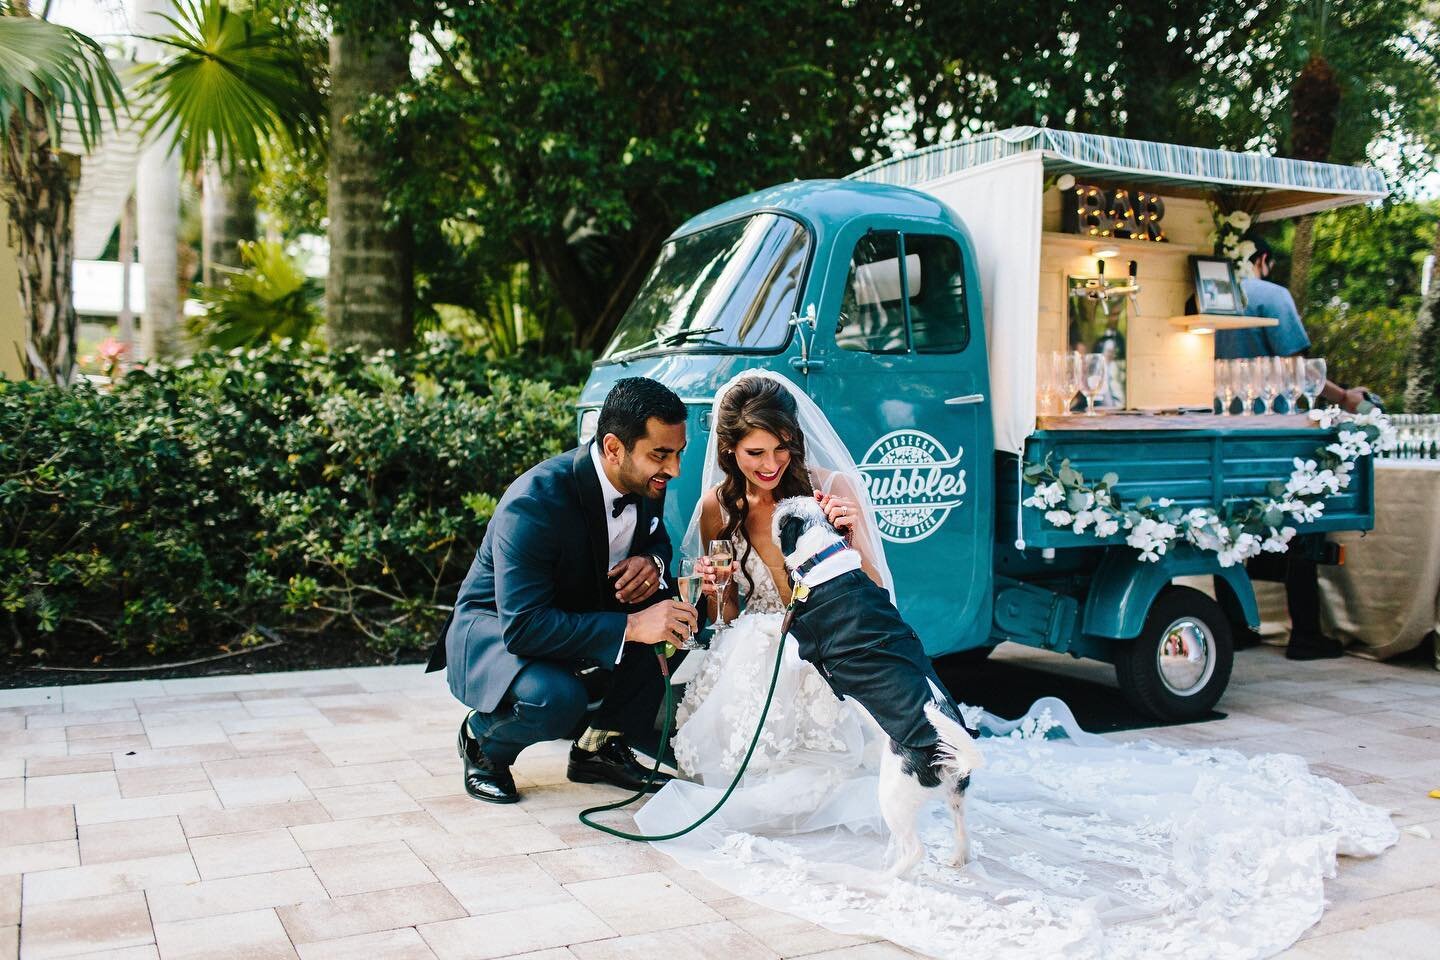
pixel 1247 249
pixel 1106 527
pixel 1083 519
pixel 1060 518
pixel 1240 220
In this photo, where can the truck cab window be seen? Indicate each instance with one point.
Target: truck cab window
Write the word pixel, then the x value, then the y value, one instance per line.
pixel 872 310
pixel 938 321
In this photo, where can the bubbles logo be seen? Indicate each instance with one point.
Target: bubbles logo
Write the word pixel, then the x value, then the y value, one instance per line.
pixel 913 483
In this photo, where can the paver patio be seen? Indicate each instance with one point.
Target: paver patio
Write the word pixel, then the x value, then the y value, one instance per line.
pixel 320 815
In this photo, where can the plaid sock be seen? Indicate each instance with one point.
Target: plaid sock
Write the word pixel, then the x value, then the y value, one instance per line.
pixel 592 739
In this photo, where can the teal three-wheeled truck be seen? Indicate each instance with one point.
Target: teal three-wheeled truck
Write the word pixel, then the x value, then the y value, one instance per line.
pixel 875 298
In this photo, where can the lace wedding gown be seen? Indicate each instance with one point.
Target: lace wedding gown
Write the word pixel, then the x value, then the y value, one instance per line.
pixel 1084 848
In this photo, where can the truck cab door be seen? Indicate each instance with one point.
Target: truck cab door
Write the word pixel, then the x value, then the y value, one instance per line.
pixel 903 377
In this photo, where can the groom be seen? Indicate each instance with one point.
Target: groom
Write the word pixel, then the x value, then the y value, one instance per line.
pixel 566 599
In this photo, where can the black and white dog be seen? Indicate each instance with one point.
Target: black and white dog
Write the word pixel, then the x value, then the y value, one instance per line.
pixel 850 630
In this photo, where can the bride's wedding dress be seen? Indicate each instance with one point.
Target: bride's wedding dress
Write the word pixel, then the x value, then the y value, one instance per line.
pixel 1084 848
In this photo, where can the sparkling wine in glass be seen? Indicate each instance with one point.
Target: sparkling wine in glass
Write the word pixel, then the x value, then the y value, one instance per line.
pixel 1096 377
pixel 691 586
pixel 722 557
pixel 1313 381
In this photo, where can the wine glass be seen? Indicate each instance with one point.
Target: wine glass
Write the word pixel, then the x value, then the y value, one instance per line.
pixel 1294 368
pixel 1313 381
pixel 1096 377
pixel 691 587
pixel 1271 376
pixel 722 558
pixel 1246 385
pixel 1072 374
pixel 1045 385
pixel 1224 386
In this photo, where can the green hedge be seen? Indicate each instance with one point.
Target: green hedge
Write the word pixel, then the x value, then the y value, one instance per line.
pixel 285 488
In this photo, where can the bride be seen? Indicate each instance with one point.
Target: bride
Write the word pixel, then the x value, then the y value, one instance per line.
pixel 1083 847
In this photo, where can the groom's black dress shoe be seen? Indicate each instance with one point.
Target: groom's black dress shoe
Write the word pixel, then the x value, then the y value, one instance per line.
pixel 1314 648
pixel 484 779
pixel 614 764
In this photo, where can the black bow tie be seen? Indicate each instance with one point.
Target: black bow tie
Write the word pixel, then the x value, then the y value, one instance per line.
pixel 620 503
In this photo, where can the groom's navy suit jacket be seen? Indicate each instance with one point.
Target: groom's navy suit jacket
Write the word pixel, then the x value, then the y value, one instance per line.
pixel 537 588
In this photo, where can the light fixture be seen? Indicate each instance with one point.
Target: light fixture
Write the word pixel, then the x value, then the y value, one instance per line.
pixel 1201 329
pixel 1103 251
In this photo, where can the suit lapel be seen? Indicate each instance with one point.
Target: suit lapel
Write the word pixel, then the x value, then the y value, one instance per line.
pixel 644 511
pixel 592 505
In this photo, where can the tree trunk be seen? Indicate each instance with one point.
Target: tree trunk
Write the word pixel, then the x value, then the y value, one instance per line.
pixel 369 292
pixel 1422 371
pixel 1314 105
pixel 157 203
pixel 157 209
pixel 227 217
pixel 40 201
pixel 1302 252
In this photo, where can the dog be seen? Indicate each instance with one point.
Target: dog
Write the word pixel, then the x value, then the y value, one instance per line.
pixel 849 629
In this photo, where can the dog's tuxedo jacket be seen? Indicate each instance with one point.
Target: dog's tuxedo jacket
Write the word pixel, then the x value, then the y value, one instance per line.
pixel 852 633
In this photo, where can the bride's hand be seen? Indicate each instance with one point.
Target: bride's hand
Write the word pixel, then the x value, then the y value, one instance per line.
pixel 841 512
pixel 706 569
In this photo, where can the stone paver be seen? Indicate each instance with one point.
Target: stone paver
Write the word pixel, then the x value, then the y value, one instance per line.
pixel 320 816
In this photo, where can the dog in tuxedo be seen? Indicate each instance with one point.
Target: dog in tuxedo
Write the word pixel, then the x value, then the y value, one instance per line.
pixel 850 630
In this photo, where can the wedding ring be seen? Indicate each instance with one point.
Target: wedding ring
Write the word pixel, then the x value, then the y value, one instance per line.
pixel 647 583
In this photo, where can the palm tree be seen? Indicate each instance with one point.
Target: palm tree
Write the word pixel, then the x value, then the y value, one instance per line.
pixel 232 85
pixel 47 73
pixel 369 293
pixel 1314 106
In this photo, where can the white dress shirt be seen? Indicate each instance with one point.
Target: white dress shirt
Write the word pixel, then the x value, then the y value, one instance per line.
pixel 621 528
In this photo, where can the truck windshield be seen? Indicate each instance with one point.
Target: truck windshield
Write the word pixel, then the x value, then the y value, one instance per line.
pixel 733 286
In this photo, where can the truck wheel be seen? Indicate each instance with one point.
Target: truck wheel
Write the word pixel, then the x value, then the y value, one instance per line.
pixel 1179 666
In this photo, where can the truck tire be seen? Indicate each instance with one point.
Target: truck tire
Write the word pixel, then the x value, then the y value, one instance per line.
pixel 1179 665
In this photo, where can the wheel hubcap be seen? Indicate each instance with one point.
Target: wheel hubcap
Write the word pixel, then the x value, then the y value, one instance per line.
pixel 1185 656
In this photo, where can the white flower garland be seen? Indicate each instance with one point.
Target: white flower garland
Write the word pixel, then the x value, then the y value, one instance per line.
pixel 1238 529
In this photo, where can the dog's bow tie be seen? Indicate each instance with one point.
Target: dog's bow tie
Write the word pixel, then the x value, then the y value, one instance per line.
pixel 620 503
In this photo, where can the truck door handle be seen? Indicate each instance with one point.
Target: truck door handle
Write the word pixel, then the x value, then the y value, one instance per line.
pixel 807 364
pixel 968 398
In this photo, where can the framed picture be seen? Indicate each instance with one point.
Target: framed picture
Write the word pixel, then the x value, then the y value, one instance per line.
pixel 1216 288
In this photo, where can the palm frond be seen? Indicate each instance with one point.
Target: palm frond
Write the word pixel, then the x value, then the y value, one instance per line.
pixel 63 69
pixel 269 301
pixel 230 85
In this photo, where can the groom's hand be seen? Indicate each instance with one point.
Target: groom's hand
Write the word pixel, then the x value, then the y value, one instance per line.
pixel 668 622
pixel 636 579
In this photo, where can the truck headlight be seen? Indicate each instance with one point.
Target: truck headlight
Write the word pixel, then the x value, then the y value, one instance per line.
pixel 588 420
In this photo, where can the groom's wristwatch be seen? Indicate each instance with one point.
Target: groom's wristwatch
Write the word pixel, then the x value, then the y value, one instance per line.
pixel 659 565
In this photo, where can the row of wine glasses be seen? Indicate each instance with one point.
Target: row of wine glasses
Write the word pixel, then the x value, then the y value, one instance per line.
pixel 1059 376
pixel 1268 379
pixel 691 583
pixel 1417 436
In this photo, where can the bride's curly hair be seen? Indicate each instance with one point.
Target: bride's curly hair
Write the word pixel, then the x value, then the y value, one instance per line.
pixel 757 403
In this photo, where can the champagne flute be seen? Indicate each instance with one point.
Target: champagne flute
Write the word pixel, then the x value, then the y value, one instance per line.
pixel 1270 382
pixel 691 587
pixel 1096 376
pixel 722 557
pixel 1224 386
pixel 1045 384
pixel 1245 386
pixel 1072 374
pixel 1294 368
pixel 1313 382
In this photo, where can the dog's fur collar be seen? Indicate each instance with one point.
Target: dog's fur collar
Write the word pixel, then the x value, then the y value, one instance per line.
pixel 800 528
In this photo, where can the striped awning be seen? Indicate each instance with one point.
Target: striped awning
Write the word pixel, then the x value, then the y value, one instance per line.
pixel 1277 186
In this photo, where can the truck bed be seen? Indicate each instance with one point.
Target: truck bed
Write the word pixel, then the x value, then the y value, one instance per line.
pixel 1200 465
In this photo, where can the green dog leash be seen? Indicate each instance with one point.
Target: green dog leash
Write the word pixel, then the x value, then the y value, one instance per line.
pixel 798 595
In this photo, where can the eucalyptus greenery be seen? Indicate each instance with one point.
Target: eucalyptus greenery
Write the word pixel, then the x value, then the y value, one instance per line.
pixel 319 495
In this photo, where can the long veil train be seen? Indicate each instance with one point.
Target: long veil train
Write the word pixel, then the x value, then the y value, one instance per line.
pixel 1085 847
